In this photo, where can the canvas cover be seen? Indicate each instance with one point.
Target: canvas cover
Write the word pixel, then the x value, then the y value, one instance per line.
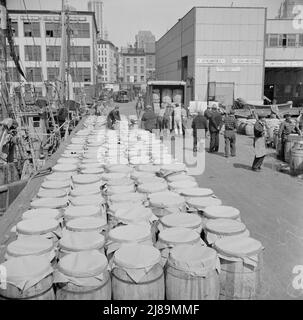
pixel 152 187
pixel 64 168
pixel 86 178
pixel 83 211
pixel 51 193
pixel 166 199
pixel 86 224
pixel 200 203
pixel 52 203
pixel 196 192
pixel 60 184
pixel 224 212
pixel 37 226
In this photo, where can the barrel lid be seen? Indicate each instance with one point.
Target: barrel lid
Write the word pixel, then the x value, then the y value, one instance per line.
pixel 231 246
pixel 58 176
pixel 35 245
pixel 41 213
pixel 134 214
pixel 183 184
pixel 225 226
pixel 185 220
pixel 82 191
pixel 86 178
pixel 113 208
pixel 114 176
pixel 86 224
pixel 152 187
pixel 65 167
pixel 83 211
pixel 80 241
pixel 68 161
pixel 120 189
pixel 225 212
pixel 151 180
pixel 52 203
pixel 142 174
pixel 196 192
pixel 137 256
pixel 119 168
pixel 87 200
pixel 203 202
pixel 130 233
pixel 178 235
pixel 127 197
pixel 148 168
pixel 192 255
pixel 52 184
pixel 180 177
pixel 120 182
pixel 92 170
pixel 51 193
pixel 26 267
pixel 165 199
pixel 37 226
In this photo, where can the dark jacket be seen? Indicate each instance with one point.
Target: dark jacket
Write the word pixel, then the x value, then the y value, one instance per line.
pixel 207 114
pixel 199 122
pixel 215 122
pixel 112 117
pixel 149 119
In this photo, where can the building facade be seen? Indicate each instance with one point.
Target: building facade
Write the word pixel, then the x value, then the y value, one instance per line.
pixel 96 6
pixel 108 60
pixel 37 38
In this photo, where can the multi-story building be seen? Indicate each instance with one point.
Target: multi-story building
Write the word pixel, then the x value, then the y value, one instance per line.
pixel 97 7
pixel 37 37
pixel 108 61
pixel 134 65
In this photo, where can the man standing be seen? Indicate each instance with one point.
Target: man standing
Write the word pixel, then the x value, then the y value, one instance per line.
pixel 139 107
pixel 149 119
pixel 259 143
pixel 200 127
pixel 177 119
pixel 113 117
pixel 215 125
pixel 230 123
pixel 286 128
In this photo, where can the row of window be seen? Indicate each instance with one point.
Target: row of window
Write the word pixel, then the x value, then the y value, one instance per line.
pixel 102 59
pixel 142 69
pixel 33 53
pixel 142 78
pixel 35 74
pixel 134 60
pixel 52 29
pixel 284 40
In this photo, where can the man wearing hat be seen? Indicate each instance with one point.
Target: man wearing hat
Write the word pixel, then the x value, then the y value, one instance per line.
pixel 230 123
pixel 286 128
pixel 113 117
pixel 215 125
pixel 259 143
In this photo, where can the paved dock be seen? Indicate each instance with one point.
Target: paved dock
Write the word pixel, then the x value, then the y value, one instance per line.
pixel 271 206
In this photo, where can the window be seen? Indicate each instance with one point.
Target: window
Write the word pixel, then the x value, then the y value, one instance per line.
pixel 142 70
pixel 53 53
pixel 52 74
pixel 15 28
pixel 13 75
pixel 128 69
pixel 142 79
pixel 8 52
pixel 135 78
pixel 128 60
pixel 80 53
pixel 34 74
pixel 301 40
pixel 291 40
pixel 52 30
pixel 80 30
pixel 36 120
pixel 32 53
pixel 284 40
pixel 135 60
pixel 127 78
pixel 31 29
pixel 273 40
pixel 142 60
pixel 135 69
pixel 81 74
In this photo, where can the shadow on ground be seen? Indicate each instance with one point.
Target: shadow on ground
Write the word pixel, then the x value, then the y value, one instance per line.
pixel 242 166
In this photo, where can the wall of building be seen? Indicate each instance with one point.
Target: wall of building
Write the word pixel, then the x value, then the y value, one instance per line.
pixel 134 65
pixel 107 59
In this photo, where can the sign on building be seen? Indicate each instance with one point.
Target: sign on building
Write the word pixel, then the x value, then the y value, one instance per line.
pixel 207 61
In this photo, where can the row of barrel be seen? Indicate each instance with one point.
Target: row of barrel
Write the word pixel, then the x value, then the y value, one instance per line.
pixel 119 219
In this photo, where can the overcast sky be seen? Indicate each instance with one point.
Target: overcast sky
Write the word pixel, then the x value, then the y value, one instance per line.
pixel 124 18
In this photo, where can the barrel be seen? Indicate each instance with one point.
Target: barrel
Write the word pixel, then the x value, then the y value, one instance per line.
pixel 171 169
pixel 180 177
pixel 220 212
pixel 177 96
pixel 164 203
pixel 80 241
pixel 83 276
pixel 152 187
pixel 241 268
pixel 86 190
pixel 58 176
pixel 31 246
pixel 92 170
pixel 74 161
pixel 42 213
pixel 51 193
pixel 51 203
pixel 46 228
pixel 119 168
pixel 82 211
pixel 151 180
pixel 87 200
pixel 192 274
pixel 70 168
pixel 289 144
pixel 221 228
pixel 114 176
pixel 28 278
pixel 249 128
pixel 199 204
pixel 111 190
pixel 135 175
pixel 201 193
pixel 87 224
pixel 127 197
pixel 137 273
pixel 84 179
pixel 52 184
pixel 296 161
pixel 178 186
pixel 148 168
pixel 185 220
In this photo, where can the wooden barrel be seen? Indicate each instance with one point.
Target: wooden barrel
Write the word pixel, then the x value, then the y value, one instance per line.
pixel 46 228
pixel 131 197
pixel 91 165
pixel 180 177
pixel 114 176
pixel 31 246
pixel 119 189
pixel 86 179
pixel 241 268
pixel 164 203
pixel 220 212
pixel 87 224
pixel 122 168
pixel 86 190
pixel 89 200
pixel 249 128
pixel 191 274
pixel 93 170
pixel 151 180
pixel 83 211
pixel 80 241
pixel 178 186
pixel 185 220
pixel 199 204
pixel 28 278
pixel 221 228
pixel 43 213
pixel 83 276
pixel 51 203
pixel 52 184
pixel 137 273
pixel 152 187
pixel 51 193
pixel 70 168
pixel 296 161
pixel 289 144
pixel 189 193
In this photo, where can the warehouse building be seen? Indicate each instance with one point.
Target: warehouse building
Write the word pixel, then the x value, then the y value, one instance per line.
pixel 224 53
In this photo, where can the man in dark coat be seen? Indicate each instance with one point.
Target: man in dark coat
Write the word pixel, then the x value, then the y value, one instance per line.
pixel 230 123
pixel 215 125
pixel 149 119
pixel 113 117
pixel 200 127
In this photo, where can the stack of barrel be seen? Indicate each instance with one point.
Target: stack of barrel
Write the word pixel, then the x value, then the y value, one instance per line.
pixel 119 218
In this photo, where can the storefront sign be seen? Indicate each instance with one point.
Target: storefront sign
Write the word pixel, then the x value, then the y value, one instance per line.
pixel 284 64
pixel 245 61
pixel 233 69
pixel 210 61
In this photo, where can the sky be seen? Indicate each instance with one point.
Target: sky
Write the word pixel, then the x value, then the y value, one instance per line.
pixel 124 18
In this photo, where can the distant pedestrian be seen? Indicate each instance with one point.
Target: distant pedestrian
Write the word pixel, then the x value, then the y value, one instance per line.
pixel 230 123
pixel 149 119
pixel 139 107
pixel 113 118
pixel 167 118
pixel 184 117
pixel 215 125
pixel 259 143
pixel 200 127
pixel 178 119
pixel 160 119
